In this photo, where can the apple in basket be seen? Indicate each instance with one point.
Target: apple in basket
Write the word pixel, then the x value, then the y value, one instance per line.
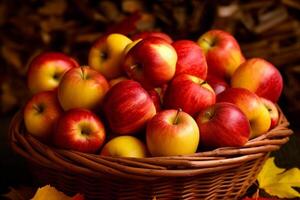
pixel 274 114
pixel 218 84
pixel 152 62
pixel 146 34
pixel 46 70
pixel 79 129
pixel 41 113
pixel 82 87
pixel 124 146
pixel 259 76
pixel 171 133
pixel 128 107
pixel 251 106
pixel 106 54
pixel 189 93
pixel 223 125
pixel 223 53
pixel 191 59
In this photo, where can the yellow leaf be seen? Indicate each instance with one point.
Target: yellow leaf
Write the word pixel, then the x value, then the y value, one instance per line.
pixel 279 182
pixel 49 193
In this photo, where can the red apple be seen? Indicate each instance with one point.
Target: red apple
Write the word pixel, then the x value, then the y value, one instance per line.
pixel 82 87
pixel 251 106
pixel 154 95
pixel 274 114
pixel 128 107
pixel 46 70
pixel 171 133
pixel 259 76
pixel 223 53
pixel 223 125
pixel 189 93
pixel 41 113
pixel 146 34
pixel 81 130
pixel 152 62
pixel 218 84
pixel 191 59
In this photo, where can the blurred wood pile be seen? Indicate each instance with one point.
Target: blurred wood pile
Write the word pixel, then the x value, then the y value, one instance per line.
pixel 31 26
pixel 269 29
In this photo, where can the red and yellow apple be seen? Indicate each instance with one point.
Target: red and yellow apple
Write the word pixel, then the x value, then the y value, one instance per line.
pixel 274 114
pixel 79 129
pixel 223 53
pixel 82 87
pixel 223 125
pixel 124 146
pixel 251 106
pixel 41 113
pixel 106 54
pixel 146 34
pixel 191 59
pixel 46 70
pixel 259 76
pixel 128 107
pixel 189 93
pixel 172 133
pixel 152 62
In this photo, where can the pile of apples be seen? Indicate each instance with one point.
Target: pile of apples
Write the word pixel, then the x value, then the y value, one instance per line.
pixel 152 96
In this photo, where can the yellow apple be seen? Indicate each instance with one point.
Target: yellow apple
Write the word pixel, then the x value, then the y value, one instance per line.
pixel 106 54
pixel 124 146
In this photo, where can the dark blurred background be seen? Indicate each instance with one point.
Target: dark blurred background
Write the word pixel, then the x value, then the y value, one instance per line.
pixel 268 29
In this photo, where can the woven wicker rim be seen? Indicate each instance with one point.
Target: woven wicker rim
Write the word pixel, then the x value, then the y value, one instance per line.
pixel 145 168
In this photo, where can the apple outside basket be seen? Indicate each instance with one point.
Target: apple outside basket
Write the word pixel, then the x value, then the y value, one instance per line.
pixel 223 173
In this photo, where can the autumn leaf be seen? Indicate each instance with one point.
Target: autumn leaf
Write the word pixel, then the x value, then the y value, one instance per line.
pixel 50 193
pixel 278 181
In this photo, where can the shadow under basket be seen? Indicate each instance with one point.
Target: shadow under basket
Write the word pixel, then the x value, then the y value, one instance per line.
pixel 223 173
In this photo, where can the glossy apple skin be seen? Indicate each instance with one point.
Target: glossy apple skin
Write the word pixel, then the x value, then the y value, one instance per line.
pixel 259 76
pixel 146 34
pixel 223 53
pixel 128 107
pixel 82 87
pixel 223 125
pixel 152 62
pixel 106 55
pixel 219 85
pixel 251 106
pixel 124 146
pixel 46 70
pixel 274 114
pixel 166 138
pixel 191 59
pixel 81 130
pixel 154 95
pixel 189 93
pixel 41 113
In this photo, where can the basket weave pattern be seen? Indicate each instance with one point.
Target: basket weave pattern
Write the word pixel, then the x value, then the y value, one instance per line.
pixel 223 173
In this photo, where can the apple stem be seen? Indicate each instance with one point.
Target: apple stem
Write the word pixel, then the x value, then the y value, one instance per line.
pixel 177 115
pixel 204 82
pixel 82 71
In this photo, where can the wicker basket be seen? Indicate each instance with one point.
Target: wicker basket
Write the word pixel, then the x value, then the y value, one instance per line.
pixel 224 173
